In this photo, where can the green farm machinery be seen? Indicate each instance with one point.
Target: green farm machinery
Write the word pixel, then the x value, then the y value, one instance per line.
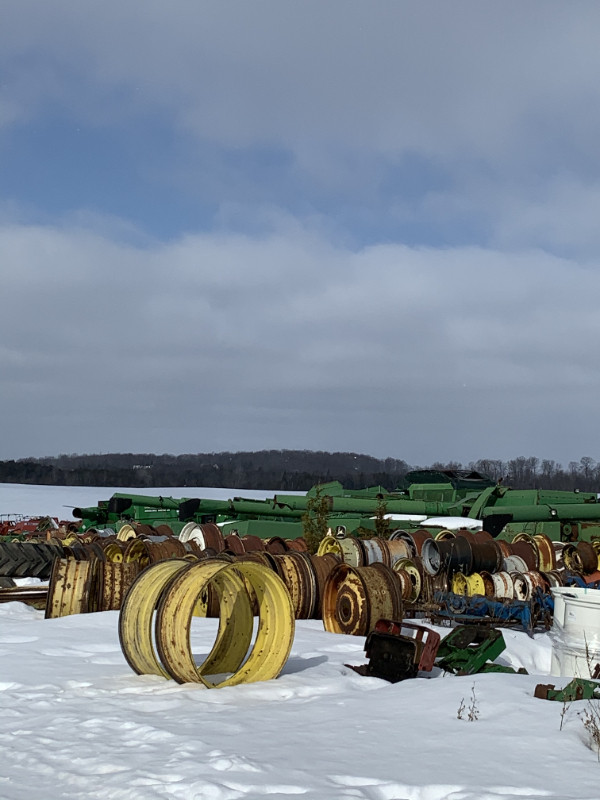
pixel 425 500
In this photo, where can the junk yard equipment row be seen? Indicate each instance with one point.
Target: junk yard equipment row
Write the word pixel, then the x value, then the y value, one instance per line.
pixel 425 495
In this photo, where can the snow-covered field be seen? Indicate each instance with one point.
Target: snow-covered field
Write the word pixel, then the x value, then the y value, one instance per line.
pixel 75 722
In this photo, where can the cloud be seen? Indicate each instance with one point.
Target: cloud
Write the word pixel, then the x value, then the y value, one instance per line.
pixel 561 216
pixel 225 342
pixel 427 123
pixel 469 78
pixel 300 225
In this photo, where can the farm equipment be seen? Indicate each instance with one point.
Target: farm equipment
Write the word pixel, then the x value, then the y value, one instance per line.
pixel 577 689
pixel 468 648
pixel 18 526
pixel 425 494
pixel 122 508
pixel 399 650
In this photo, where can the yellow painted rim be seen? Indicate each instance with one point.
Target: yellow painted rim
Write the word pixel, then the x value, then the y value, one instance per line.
pixel 475 584
pixel 459 583
pixel 174 587
pixel 330 545
pixel 126 532
pixel 137 611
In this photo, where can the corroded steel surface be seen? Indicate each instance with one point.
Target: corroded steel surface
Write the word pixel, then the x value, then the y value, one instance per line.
pixel 234 544
pixel 411 567
pixel 253 543
pixel 69 588
pixel 353 551
pixel 587 557
pixel 297 572
pixel 528 551
pixel 322 566
pixel 276 545
pixel 487 556
pixel 137 612
pixel 298 544
pixel 110 584
pixel 376 550
pixel 398 548
pixel 503 586
pixel 212 536
pixel 547 553
pixel 416 539
pixel 356 597
pixel 36 596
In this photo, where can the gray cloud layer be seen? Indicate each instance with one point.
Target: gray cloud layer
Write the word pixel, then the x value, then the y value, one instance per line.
pixel 502 100
pixel 305 335
pixel 226 342
pixel 437 77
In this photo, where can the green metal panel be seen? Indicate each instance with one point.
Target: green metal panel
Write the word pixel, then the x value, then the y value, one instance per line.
pixel 440 492
pixel 533 497
pixel 367 506
pixel 156 501
pixel 467 648
pixel 564 511
pixel 351 523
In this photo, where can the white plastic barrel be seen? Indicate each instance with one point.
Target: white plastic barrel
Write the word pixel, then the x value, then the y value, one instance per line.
pixel 575 631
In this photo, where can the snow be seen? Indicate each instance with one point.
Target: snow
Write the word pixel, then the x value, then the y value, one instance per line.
pixel 76 722
pixel 454 523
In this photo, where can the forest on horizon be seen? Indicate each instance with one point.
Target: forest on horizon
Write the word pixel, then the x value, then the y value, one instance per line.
pixel 287 470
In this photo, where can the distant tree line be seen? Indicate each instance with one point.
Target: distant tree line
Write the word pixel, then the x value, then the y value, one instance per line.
pixel 535 473
pixel 287 470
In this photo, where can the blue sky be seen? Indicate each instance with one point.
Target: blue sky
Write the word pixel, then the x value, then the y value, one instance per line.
pixel 336 226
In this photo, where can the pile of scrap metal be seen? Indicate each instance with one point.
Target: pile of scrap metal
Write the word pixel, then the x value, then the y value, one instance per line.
pixel 401 650
pixel 275 525
pixel 92 572
pixel 462 575
pixel 19 527
pixel 352 582
pixel 134 542
pixel 99 581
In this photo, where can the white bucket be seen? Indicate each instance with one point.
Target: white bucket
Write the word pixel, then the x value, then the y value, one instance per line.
pixel 575 631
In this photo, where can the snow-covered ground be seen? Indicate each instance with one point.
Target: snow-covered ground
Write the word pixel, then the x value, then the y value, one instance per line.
pixel 75 722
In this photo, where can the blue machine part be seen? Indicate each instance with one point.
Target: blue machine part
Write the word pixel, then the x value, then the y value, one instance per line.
pixel 528 613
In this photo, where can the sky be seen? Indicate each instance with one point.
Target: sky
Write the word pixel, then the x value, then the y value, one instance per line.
pixel 343 226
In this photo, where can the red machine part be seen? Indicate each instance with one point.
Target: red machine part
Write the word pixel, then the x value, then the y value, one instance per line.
pixel 427 640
